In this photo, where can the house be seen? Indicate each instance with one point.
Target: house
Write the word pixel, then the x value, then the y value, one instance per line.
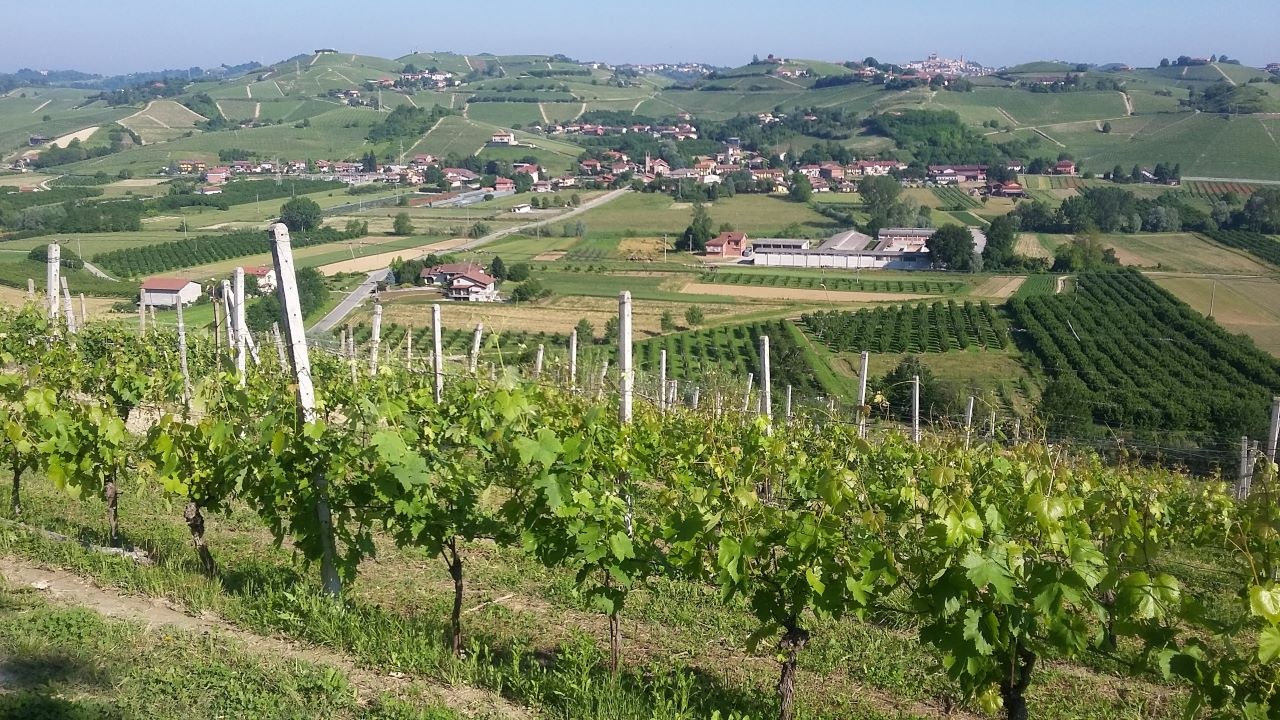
pixel 266 277
pixel 472 287
pixel 191 166
pixel 522 208
pixel 503 137
pixel 529 169
pixel 542 186
pixel 655 166
pixel 831 171
pixel 590 166
pixel 1009 189
pixel 423 160
pixel 727 245
pixel 444 274
pixel 217 175
pixel 168 292
pixel 458 176
pixel 1065 167
pixel 948 174
pixel 504 185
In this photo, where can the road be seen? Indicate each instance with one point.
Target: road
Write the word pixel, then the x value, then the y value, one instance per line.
pixel 1249 181
pixel 360 294
pixel 349 303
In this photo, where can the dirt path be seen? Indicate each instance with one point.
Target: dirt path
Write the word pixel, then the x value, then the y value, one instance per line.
pixel 1223 74
pixel 80 135
pixel 70 589
pixel 410 99
pixel 257 110
pixel 425 134
pixel 584 109
pixel 543 112
pixel 1060 285
pixel 1045 135
pixel 248 92
pixel 40 106
pixel 313 60
pixel 1128 102
pixel 1007 116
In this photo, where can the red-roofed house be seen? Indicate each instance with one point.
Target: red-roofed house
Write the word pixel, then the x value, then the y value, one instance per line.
pixel 444 274
pixel 529 169
pixel 1066 167
pixel 503 137
pixel 217 175
pixel 727 244
pixel 472 287
pixel 168 292
pixel 504 184
pixel 266 277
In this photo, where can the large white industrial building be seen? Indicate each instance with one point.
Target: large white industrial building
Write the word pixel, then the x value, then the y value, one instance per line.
pixel 893 249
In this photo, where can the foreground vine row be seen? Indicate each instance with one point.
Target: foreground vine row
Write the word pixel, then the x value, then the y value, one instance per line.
pixel 999 558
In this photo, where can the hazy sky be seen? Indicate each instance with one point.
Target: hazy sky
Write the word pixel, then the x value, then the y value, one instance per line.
pixel 132 35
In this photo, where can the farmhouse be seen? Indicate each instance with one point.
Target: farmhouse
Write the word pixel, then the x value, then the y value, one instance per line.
pixel 266 277
pixel 1065 167
pixel 1009 189
pixel 503 137
pixel 472 287
pixel 894 249
pixel 728 245
pixel 948 174
pixel 522 208
pixel 168 292
pixel 504 185
pixel 444 274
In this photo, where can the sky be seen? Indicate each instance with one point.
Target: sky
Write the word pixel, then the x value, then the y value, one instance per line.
pixel 138 35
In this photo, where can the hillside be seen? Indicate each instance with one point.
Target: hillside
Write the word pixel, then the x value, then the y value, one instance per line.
pixel 296 108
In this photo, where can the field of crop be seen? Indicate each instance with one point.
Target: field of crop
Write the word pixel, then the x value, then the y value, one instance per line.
pixel 1144 360
pixel 507 114
pixel 454 135
pixel 1250 306
pixel 161 121
pixel 1210 190
pixel 1038 284
pixel 1256 244
pixel 1185 252
pixel 935 327
pixel 654 214
pixel 953 198
pixel 836 281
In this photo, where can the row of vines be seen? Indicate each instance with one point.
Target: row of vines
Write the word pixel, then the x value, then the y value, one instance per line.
pixel 935 327
pixel 1003 560
pixel 203 249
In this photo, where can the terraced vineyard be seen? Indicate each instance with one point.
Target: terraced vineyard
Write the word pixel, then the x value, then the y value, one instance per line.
pixel 1214 190
pixel 936 327
pixel 840 282
pixel 1257 244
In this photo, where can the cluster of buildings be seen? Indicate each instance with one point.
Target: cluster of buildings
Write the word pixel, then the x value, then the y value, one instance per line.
pixel 891 249
pixel 683 129
pixel 167 292
pixel 947 67
pixel 467 282
pixel 437 80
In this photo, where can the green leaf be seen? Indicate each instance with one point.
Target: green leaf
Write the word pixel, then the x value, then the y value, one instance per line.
pixel 815 581
pixel 621 546
pixel 765 631
pixel 1269 644
pixel 1265 603
pixel 984 572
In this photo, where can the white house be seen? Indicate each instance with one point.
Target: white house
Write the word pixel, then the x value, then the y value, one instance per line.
pixel 522 208
pixel 503 137
pixel 266 277
pixel 472 286
pixel 168 292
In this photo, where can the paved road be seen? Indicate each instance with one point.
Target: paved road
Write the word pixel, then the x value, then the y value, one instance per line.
pixel 349 303
pixel 1232 180
pixel 360 294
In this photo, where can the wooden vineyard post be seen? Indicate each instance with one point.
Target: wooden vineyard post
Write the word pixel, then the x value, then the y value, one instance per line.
pixel 993 425
pixel 915 409
pixel 1017 430
pixel 152 309
pixel 537 363
pixel 746 396
pixel 968 422
pixel 475 348
pixel 377 338
pixel 1273 437
pixel 697 395
pixel 437 353
pixel 182 358
pixel 862 394
pixel 66 299
pixel 53 268
pixel 291 311
pixel 673 398
pixel 662 380
pixel 766 380
pixel 573 360
pixel 238 329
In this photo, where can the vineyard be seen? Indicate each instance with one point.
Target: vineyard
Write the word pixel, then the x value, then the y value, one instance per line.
pixel 1215 190
pixel 935 327
pixel 953 198
pixel 1143 360
pixel 794 537
pixel 1256 244
pixel 1038 284
pixel 203 249
pixel 836 281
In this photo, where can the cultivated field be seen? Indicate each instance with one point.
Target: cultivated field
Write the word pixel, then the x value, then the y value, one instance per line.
pixel 368 263
pixel 1184 252
pixel 793 294
pixel 162 120
pixel 1249 305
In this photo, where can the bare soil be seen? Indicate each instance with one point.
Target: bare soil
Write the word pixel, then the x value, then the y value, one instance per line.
pixel 1000 286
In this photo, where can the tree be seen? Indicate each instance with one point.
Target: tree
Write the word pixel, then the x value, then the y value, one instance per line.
pixel 695 237
pixel 518 272
pixel 403 225
pixel 1164 62
pixel 586 332
pixel 301 214
pixel 498 269
pixel 668 321
pixel 1261 212
pixel 951 247
pixel 529 291
pixel 610 331
pixel 369 162
pixel 1106 128
pixel 1001 240
pixel 937 400
pixel 801 189
pixel 693 316
pixel 879 193
pixel 1065 407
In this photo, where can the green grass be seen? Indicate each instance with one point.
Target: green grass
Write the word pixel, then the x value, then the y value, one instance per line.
pixel 1038 284
pixel 506 114
pixel 655 214
pixel 69 662
pixel 595 284
pixel 836 281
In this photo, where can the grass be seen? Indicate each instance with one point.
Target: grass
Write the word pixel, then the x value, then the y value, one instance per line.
pixel 1242 305
pixel 506 114
pixel 655 214
pixel 69 662
pixel 1038 284
pixel 1184 252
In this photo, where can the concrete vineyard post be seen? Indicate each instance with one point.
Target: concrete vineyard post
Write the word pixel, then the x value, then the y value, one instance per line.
pixel 152 309
pixel 625 371
pixel 84 310
pixel 862 394
pixel 437 354
pixel 377 338
pixel 604 374
pixel 275 332
pixel 1273 437
pixel 766 380
pixel 746 396
pixel 66 299
pixel 1242 482
pixel 993 424
pixel 182 358
pixel 238 332
pixel 408 346
pixel 142 314
pixel 1017 430
pixel 291 312
pixel 573 360
pixel 968 421
pixel 662 380
pixel 537 362
pixel 53 268
pixel 475 347
pixel 788 402
pixel 697 395
pixel 31 289
pixel 915 409
pixel 230 323
pixel 217 322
